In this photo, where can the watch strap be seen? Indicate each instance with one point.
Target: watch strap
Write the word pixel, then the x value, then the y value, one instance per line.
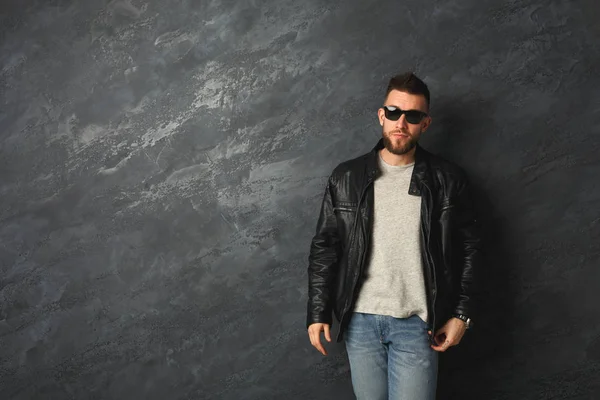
pixel 465 319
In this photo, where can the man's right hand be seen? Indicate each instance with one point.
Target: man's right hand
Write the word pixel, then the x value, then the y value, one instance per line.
pixel 314 333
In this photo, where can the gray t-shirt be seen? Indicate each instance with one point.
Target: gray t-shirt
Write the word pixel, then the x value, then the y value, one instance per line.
pixel 394 281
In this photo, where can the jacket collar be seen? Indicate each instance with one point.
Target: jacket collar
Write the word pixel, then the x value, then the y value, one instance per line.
pixel 420 174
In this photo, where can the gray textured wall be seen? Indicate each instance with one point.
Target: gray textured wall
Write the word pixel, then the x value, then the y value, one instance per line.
pixel 162 165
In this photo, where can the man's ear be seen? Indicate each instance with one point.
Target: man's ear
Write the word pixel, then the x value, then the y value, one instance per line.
pixel 380 114
pixel 427 123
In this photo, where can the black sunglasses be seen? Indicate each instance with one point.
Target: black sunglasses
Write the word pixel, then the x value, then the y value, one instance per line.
pixel 412 116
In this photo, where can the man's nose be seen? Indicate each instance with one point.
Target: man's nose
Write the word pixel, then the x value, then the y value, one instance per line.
pixel 401 123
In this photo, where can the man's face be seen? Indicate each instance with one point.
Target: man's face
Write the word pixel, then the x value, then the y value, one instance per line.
pixel 399 137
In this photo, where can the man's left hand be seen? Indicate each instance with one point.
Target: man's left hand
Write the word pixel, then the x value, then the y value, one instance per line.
pixel 449 335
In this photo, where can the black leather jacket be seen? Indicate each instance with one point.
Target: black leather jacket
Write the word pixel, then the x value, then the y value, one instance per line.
pixel 450 240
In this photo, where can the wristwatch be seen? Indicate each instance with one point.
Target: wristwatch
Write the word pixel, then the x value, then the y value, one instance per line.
pixel 465 319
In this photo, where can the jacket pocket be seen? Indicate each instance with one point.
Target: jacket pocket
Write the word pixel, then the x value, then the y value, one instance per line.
pixel 345 206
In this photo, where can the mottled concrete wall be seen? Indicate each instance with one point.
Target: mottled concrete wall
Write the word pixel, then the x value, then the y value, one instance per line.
pixel 162 165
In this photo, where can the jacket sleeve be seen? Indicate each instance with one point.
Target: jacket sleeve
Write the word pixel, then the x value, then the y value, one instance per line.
pixel 322 262
pixel 468 235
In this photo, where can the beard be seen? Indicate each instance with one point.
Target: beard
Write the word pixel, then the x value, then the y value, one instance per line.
pixel 398 146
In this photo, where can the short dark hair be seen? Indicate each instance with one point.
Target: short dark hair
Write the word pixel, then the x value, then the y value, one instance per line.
pixel 409 83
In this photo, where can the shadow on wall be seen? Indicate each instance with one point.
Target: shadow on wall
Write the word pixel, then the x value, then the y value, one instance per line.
pixel 463 371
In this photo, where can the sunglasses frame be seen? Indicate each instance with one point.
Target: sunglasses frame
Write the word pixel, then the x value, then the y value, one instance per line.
pixel 421 114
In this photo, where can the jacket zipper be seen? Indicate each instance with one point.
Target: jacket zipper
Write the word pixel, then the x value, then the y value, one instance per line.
pixel 433 277
pixel 349 299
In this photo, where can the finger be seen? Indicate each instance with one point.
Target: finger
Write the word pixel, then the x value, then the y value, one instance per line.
pixel 442 347
pixel 327 335
pixel 317 343
pixel 438 348
pixel 321 348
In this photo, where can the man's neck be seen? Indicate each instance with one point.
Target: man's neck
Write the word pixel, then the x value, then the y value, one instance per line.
pixel 398 160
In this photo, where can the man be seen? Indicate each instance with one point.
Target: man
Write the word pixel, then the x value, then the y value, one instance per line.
pixel 394 255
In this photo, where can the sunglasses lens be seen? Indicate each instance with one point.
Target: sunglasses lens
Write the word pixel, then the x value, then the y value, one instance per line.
pixel 414 117
pixel 392 115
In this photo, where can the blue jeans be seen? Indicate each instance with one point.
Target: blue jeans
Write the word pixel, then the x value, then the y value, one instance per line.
pixel 390 358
